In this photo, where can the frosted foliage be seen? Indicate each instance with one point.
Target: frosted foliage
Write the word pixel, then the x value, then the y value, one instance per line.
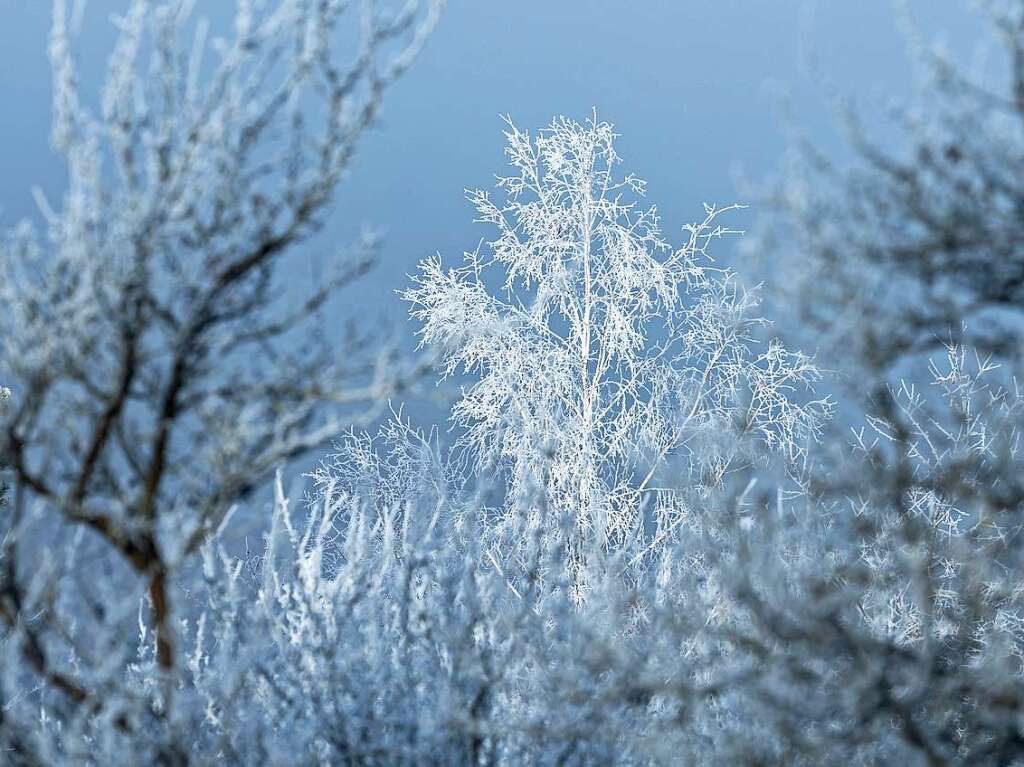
pixel 601 353
pixel 160 360
pixel 914 225
pixel 649 547
pixel 956 441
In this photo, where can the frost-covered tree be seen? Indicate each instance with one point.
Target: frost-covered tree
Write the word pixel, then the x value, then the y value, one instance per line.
pixel 602 353
pixel 891 628
pixel 917 224
pixel 160 365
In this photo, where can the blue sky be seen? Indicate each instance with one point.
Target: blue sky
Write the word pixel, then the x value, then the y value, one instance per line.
pixel 684 81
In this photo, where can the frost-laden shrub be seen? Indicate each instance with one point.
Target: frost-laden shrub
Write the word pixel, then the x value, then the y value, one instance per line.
pixel 875 619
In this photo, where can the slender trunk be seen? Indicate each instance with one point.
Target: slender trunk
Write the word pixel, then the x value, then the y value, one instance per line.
pixel 162 619
pixel 583 521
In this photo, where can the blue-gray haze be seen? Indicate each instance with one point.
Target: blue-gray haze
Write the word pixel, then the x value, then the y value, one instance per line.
pixel 688 83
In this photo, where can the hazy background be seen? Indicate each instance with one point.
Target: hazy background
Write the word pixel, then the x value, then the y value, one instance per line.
pixel 688 83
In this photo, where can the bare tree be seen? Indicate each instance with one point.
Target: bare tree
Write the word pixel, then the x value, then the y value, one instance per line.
pixel 922 231
pixel 158 367
pixel 890 627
